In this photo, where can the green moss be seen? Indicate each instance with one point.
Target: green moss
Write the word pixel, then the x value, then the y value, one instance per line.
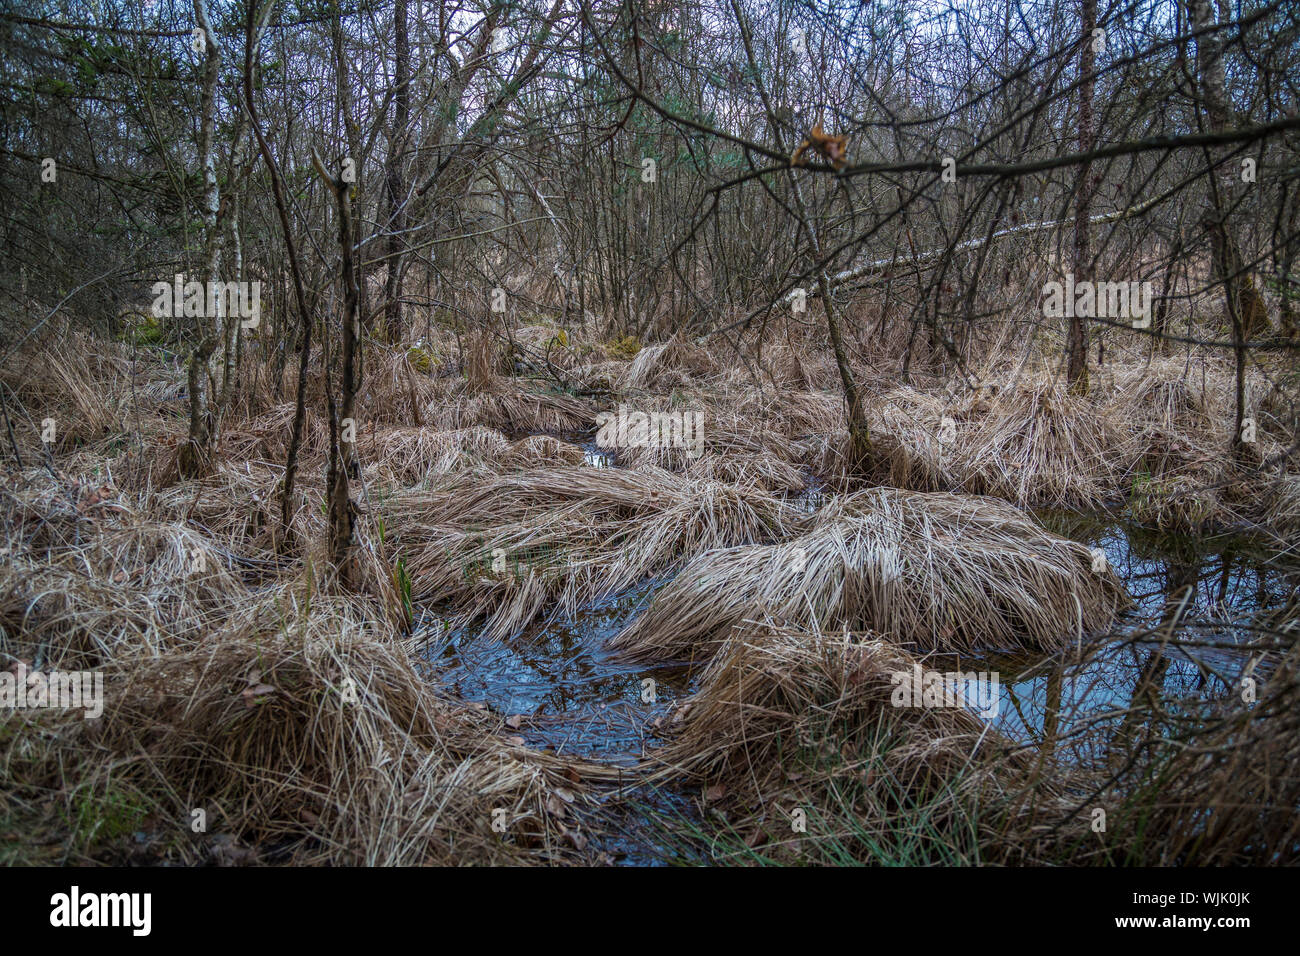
pixel 422 359
pixel 142 330
pixel 623 347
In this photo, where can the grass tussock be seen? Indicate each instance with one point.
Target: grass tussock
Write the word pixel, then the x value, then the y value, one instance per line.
pixel 514 412
pixel 308 738
pixel 504 548
pixel 399 457
pixel 1284 507
pixel 86 577
pixel 1151 436
pixel 83 387
pixel 408 456
pixel 730 445
pixel 935 570
pixel 537 451
pixel 790 720
pixel 668 365
pixel 1031 445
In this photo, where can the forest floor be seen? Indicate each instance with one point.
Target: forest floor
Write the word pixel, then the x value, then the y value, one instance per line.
pixel 564 648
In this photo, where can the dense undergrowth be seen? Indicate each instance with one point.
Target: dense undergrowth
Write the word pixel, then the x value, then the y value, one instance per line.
pixel 240 681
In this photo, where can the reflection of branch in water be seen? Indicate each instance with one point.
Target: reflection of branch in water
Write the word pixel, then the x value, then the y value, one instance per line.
pixel 1052 711
pixel 1182 588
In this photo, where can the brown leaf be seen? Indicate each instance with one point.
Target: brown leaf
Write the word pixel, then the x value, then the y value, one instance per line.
pixel 102 493
pixel 515 721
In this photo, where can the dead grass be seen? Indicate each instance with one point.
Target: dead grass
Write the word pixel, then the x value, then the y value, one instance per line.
pixel 934 570
pixel 537 451
pixel 507 547
pixel 788 719
pixel 1152 435
pixel 1284 507
pixel 86 578
pixel 511 412
pixel 1031 444
pixel 293 718
pixel 266 437
pixel 668 365
pixel 735 444
pixel 81 384
pixel 308 733
pixel 407 456
pixel 227 662
pixel 1037 444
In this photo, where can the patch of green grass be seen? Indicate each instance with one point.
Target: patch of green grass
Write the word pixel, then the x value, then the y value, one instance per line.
pixel 403 581
pixel 143 330
pixel 850 814
pixel 105 816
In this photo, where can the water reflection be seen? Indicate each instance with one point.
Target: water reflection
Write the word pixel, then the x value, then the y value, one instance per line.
pixel 1196 601
pixel 573 695
pixel 597 457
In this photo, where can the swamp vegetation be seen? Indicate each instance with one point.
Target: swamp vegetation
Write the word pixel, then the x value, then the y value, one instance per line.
pixel 583 433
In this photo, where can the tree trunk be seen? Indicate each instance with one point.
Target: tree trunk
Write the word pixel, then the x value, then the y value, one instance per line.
pixel 341 544
pixel 194 456
pixel 396 154
pixel 1076 375
pixel 251 38
pixel 1242 301
pixel 859 431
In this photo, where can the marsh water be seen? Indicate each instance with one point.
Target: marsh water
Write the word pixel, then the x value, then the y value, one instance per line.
pixel 568 691
pixel 1194 602
pixel 1197 601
